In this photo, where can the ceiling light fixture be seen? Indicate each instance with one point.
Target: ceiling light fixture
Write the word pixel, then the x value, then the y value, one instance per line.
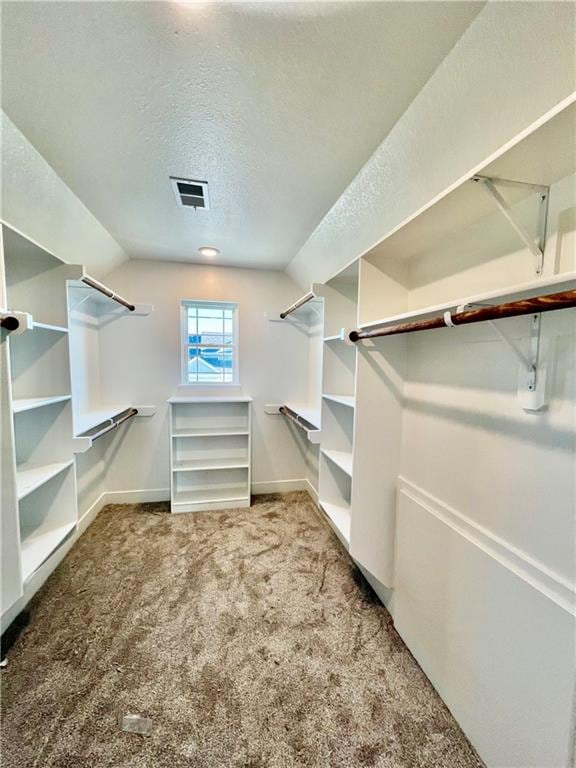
pixel 208 250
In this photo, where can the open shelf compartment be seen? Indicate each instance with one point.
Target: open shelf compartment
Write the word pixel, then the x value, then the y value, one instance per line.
pixel 210 489
pixel 47 517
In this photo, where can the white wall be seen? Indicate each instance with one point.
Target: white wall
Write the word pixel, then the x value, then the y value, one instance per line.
pixel 140 364
pixel 515 62
pixel 36 201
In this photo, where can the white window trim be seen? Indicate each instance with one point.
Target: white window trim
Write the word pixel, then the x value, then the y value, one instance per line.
pixel 184 345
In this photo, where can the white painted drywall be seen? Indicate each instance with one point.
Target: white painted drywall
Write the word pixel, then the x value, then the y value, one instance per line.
pixel 515 62
pixel 140 364
pixel 36 201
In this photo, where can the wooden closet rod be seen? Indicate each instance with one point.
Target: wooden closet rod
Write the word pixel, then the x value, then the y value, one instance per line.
pixel 107 292
pixel 298 420
pixel 10 323
pixel 537 304
pixel 308 297
pixel 132 412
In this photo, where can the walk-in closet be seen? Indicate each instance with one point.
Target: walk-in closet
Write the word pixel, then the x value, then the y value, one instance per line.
pixel 288 384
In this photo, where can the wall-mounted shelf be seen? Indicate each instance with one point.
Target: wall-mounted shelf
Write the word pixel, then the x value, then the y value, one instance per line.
pixel 91 297
pixel 92 419
pixel 529 289
pixel 30 479
pixel 105 421
pixel 29 403
pixel 306 411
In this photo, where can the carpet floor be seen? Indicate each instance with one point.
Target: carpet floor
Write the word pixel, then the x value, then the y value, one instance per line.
pixel 247 637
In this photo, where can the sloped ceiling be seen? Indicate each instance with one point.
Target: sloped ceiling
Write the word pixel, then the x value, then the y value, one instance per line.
pixel 276 105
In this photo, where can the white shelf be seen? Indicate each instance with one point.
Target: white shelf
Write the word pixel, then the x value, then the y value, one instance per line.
pixel 198 464
pixel 49 327
pixel 342 459
pixel 207 432
pixel 347 400
pixel 184 400
pixel 307 411
pixel 29 480
pixel 536 287
pixel 38 546
pixel 29 403
pixel 230 495
pixel 91 419
pixel 340 518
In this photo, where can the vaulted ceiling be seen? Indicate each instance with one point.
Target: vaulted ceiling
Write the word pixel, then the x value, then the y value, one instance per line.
pixel 276 105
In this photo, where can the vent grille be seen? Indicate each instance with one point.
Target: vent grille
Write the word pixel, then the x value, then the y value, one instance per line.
pixel 190 193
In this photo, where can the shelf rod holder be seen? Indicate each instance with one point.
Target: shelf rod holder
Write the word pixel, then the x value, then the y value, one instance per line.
pixel 297 304
pixel 10 323
pixel 537 250
pixel 89 281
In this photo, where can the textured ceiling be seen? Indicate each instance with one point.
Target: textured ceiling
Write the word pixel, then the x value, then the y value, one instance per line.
pixel 277 105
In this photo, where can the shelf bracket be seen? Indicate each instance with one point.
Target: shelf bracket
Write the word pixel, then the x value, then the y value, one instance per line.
pixel 533 367
pixel 535 248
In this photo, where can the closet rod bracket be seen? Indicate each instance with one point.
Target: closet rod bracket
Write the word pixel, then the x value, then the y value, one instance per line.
pixel 15 323
pixel 534 245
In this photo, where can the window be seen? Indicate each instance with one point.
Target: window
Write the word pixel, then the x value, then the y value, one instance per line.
pixel 209 342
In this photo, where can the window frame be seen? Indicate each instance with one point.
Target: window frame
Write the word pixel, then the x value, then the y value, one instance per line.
pixel 185 345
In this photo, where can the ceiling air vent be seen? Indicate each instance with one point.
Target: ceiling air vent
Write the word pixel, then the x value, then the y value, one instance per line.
pixel 190 193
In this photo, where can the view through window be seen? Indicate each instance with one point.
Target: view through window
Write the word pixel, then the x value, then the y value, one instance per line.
pixel 209 342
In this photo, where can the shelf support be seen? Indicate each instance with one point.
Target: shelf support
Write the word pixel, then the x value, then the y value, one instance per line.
pixel 536 249
pixel 532 376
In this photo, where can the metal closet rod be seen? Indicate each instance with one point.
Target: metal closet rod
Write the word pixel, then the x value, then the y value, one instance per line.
pixel 132 412
pixel 10 323
pixel 535 305
pixel 107 292
pixel 298 420
pixel 304 300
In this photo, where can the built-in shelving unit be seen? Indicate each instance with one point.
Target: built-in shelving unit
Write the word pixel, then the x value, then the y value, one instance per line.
pixel 39 394
pixel 210 449
pixel 338 385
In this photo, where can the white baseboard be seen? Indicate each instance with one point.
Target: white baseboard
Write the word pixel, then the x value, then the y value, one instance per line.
pixel 279 486
pixel 312 492
pixel 90 515
pixel 138 496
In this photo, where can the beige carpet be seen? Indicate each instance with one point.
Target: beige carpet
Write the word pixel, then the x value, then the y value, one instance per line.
pixel 247 637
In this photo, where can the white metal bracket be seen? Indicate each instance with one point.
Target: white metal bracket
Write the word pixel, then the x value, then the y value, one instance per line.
pixel 532 384
pixel 533 367
pixel 536 248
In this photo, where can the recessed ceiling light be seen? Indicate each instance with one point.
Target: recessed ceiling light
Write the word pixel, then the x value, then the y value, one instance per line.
pixel 208 250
